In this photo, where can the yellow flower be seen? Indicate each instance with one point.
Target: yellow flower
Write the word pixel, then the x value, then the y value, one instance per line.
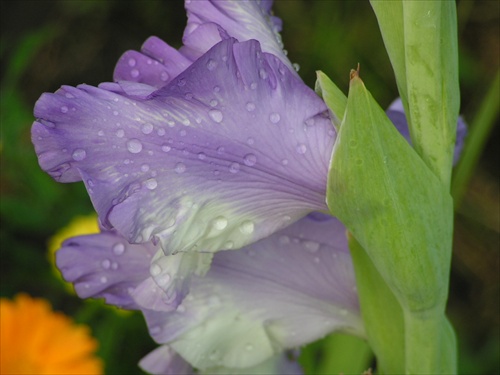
pixel 78 226
pixel 36 340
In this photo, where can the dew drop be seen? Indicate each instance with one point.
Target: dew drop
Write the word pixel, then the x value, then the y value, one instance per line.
pixel 79 154
pixel 147 128
pixel 180 168
pixel 151 184
pixel 296 67
pixel 310 122
pixel 253 85
pixel 64 109
pixel 120 133
pixel 213 103
pixel 144 167
pixel 166 148
pixel 161 132
pixel 284 162
pixel 284 240
pixel 202 156
pixel 262 73
pixel 215 115
pixel 220 223
pixel 228 245
pixel 115 113
pixel 250 141
pixel 182 133
pixel 250 106
pixel 234 168
pixel 311 246
pixel 164 76
pixel 106 263
pixel 220 150
pixel 211 64
pixel 181 82
pixel 155 270
pixel 301 149
pixel 131 62
pixel 247 227
pixel 134 146
pixel 104 279
pixel 134 73
pixel 118 249
pixel 274 117
pixel 216 89
pixel 250 159
pixel 353 143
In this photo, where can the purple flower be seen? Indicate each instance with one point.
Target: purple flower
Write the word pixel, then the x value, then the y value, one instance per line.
pixel 277 294
pixel 194 156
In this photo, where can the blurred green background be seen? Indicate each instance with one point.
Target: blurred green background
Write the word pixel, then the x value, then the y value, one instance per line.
pixel 45 44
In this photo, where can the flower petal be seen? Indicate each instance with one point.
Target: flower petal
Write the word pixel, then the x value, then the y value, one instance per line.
pixel 243 20
pixel 165 361
pixel 156 65
pixel 282 292
pixel 184 166
pixel 104 265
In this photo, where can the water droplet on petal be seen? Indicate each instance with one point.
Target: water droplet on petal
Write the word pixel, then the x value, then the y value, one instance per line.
pixel 134 146
pixel 296 67
pixel 220 223
pixel 134 73
pixel 106 263
pixel 283 240
pixel 155 269
pixel 247 227
pixel 234 168
pixel 114 266
pixel 213 103
pixel 211 64
pixel 151 184
pixel 284 162
pixel 164 76
pixel 250 106
pixel 131 62
pixel 250 141
pixel 250 159
pixel 79 154
pixel 118 249
pixel 274 117
pixel 64 109
pixel 166 148
pixel 215 115
pixel 262 73
pixel 301 149
pixel 310 122
pixel 120 133
pixel 104 279
pixel 181 82
pixel 180 168
pixel 147 128
pixel 311 246
pixel 253 85
pixel 144 167
pixel 161 132
pixel 202 156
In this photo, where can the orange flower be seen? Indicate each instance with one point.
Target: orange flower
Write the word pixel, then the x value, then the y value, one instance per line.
pixel 36 340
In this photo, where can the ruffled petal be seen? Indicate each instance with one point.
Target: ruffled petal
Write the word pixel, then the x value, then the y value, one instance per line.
pixel 243 20
pixel 282 292
pixel 156 65
pixel 184 166
pixel 165 361
pixel 104 265
pixel 397 115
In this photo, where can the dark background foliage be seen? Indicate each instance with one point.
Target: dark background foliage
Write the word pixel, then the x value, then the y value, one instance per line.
pixel 45 44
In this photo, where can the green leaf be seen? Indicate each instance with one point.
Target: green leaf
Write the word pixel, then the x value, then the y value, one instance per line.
pixel 400 213
pixel 381 312
pixel 420 37
pixel 333 97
